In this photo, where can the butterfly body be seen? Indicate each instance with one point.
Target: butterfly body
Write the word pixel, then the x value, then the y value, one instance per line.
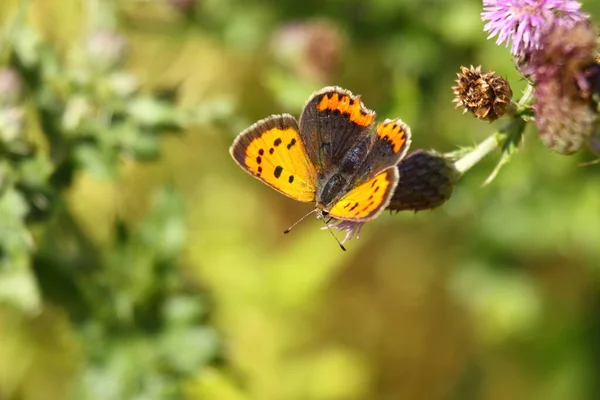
pixel 333 156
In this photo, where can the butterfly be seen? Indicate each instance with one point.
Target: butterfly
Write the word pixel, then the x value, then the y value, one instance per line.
pixel 333 155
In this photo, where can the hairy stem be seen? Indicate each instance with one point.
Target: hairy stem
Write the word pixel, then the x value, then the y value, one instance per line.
pixel 484 148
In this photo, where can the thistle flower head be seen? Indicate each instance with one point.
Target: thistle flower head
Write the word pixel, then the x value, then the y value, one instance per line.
pixel 523 22
pixel 566 77
pixel 486 95
pixel 426 182
pixel 565 54
pixel 565 123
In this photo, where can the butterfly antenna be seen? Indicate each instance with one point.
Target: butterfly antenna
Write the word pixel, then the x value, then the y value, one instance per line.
pixel 300 220
pixel 332 234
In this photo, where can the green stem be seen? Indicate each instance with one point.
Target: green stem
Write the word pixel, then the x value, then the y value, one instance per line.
pixel 484 148
pixel 527 98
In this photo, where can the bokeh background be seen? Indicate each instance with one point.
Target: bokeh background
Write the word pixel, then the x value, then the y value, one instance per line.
pixel 140 262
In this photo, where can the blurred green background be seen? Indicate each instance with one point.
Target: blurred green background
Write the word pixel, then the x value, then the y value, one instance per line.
pixel 140 262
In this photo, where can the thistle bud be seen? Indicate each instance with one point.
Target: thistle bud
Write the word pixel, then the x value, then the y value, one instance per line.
pixel 487 96
pixel 426 181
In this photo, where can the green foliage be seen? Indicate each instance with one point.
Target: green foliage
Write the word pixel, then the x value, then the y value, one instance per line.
pixel 80 112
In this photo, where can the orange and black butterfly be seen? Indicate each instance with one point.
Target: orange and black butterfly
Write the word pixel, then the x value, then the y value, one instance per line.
pixel 333 156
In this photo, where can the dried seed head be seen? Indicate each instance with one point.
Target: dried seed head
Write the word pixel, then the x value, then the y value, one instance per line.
pixel 427 180
pixel 486 95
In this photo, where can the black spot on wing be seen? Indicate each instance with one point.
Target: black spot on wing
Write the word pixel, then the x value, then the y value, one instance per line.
pixel 278 171
pixel 367 207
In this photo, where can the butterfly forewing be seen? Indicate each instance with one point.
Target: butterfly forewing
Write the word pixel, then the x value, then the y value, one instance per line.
pixel 367 200
pixel 332 121
pixel 272 151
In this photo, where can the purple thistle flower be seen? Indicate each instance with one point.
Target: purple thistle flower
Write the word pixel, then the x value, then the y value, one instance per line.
pixel 565 73
pixel 523 22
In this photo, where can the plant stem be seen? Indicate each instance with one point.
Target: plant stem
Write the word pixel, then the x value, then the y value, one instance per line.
pixel 490 144
pixel 526 100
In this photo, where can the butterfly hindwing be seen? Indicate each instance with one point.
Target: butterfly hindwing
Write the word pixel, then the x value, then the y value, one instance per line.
pixel 332 121
pixel 272 151
pixel 391 140
pixel 367 200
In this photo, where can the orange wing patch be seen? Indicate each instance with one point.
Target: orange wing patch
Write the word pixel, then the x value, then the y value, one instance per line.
pixel 368 200
pixel 348 105
pixel 395 132
pixel 271 151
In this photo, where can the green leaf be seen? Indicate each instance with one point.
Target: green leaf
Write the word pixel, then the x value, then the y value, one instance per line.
pixel 99 162
pixel 18 287
pixel 188 349
pixel 34 172
pixel 152 112
pixel 509 147
pixel 182 310
pixel 164 228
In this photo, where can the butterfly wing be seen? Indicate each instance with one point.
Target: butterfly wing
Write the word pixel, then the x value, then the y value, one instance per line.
pixel 332 121
pixel 391 141
pixel 367 200
pixel 272 151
